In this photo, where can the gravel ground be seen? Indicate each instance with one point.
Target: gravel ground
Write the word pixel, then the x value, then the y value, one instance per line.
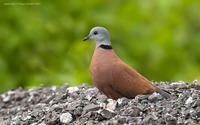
pixel 84 105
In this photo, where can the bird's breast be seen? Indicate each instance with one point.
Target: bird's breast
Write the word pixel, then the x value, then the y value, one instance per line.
pixel 99 70
pixel 101 67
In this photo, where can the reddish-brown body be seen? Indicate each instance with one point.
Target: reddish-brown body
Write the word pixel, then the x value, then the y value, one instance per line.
pixel 115 78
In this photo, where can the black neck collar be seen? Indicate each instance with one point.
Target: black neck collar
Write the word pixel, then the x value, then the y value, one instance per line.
pixel 106 46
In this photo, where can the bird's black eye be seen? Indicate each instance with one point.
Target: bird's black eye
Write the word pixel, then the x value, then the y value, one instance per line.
pixel 95 32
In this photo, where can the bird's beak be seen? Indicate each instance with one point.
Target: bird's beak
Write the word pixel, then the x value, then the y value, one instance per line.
pixel 86 38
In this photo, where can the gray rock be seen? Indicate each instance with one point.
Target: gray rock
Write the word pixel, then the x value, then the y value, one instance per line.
pixel 190 122
pixel 107 114
pixel 179 84
pixel 170 120
pixel 86 105
pixel 91 107
pixel 122 102
pixel 131 111
pixel 149 119
pixel 154 97
pixel 3 122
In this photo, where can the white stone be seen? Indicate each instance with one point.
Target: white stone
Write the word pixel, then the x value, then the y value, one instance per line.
pixel 119 101
pixel 111 105
pixel 53 88
pixel 66 118
pixel 42 123
pixel 189 101
pixel 72 89
pixel 38 124
pixel 6 98
pixel 179 83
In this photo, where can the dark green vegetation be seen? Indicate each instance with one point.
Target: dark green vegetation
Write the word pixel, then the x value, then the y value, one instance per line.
pixel 42 44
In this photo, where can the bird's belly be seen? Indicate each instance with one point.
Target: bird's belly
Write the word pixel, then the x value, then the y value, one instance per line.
pixel 102 79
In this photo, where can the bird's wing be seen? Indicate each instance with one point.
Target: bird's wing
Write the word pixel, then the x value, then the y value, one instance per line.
pixel 128 82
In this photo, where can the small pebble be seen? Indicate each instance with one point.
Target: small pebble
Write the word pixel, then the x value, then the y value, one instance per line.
pixel 66 118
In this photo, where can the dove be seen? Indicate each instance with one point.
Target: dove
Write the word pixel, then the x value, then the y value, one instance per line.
pixel 111 75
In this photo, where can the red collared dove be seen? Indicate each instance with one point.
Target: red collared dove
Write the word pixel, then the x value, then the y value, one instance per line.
pixel 111 75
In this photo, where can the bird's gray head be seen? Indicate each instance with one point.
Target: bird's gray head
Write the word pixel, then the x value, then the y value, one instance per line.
pixel 99 35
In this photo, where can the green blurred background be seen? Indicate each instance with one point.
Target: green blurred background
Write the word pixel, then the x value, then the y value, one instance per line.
pixel 42 44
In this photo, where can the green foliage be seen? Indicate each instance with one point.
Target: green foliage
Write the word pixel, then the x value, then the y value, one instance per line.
pixel 42 44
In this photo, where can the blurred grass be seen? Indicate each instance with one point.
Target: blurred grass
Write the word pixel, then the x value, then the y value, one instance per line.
pixel 42 44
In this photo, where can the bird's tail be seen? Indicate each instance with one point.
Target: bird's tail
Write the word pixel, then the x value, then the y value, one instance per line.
pixel 162 92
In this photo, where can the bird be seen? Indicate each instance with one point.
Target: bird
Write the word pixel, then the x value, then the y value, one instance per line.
pixel 111 75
